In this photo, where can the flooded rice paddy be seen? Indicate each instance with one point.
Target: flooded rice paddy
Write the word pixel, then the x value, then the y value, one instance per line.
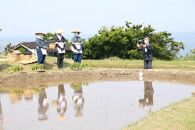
pixel 108 105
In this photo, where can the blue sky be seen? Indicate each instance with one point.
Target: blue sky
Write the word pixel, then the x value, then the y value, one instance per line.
pixel 22 18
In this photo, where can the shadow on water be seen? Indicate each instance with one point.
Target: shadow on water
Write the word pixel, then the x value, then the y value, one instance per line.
pixel 99 105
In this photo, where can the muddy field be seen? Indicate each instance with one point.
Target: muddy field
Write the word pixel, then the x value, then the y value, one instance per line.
pixel 48 78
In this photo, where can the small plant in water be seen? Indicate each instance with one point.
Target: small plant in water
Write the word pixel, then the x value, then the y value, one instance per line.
pixel 77 66
pixel 15 68
pixel 37 67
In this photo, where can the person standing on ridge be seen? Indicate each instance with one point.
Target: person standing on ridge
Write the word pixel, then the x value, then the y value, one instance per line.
pixel 61 47
pixel 146 47
pixel 77 46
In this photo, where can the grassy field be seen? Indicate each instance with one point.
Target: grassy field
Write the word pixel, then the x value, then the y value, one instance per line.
pixel 178 116
pixel 106 63
pixel 138 64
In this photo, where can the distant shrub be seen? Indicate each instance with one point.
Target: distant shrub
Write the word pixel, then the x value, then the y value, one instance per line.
pixel 190 56
pixel 78 66
pixel 37 67
pixel 15 68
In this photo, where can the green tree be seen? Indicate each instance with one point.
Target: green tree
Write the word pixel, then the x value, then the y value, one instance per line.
pixel 8 48
pixel 121 42
pixel 49 37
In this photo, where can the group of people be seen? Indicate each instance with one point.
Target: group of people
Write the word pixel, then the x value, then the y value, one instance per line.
pixel 77 47
pixel 60 46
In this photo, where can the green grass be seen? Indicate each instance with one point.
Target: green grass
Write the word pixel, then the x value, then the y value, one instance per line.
pixel 178 116
pixel 78 66
pixel 138 64
pixel 15 68
pixel 36 67
pixel 113 62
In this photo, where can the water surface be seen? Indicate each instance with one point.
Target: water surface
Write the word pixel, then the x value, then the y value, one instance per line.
pixel 108 105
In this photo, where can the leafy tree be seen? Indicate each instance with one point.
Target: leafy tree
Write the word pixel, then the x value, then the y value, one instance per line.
pixel 121 42
pixel 49 36
pixel 8 48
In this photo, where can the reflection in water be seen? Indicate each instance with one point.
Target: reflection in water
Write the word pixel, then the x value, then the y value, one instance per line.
pixel 1 116
pixel 61 102
pixel 112 104
pixel 28 94
pixel 15 95
pixel 43 105
pixel 78 99
pixel 147 101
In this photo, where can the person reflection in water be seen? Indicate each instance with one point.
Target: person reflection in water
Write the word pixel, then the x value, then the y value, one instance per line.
pixel 43 105
pixel 78 99
pixel 148 96
pixel 61 102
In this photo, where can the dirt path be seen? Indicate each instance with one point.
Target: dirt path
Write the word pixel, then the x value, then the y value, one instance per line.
pixel 48 78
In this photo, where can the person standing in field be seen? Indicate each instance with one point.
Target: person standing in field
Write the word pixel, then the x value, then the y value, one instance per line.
pixel 41 47
pixel 61 47
pixel 146 47
pixel 77 46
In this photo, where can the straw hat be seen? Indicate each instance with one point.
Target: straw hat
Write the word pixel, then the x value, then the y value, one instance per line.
pixel 59 31
pixel 76 31
pixel 39 33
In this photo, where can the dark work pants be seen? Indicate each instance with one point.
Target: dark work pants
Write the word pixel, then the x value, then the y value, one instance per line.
pixel 60 60
pixel 77 57
pixel 147 64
